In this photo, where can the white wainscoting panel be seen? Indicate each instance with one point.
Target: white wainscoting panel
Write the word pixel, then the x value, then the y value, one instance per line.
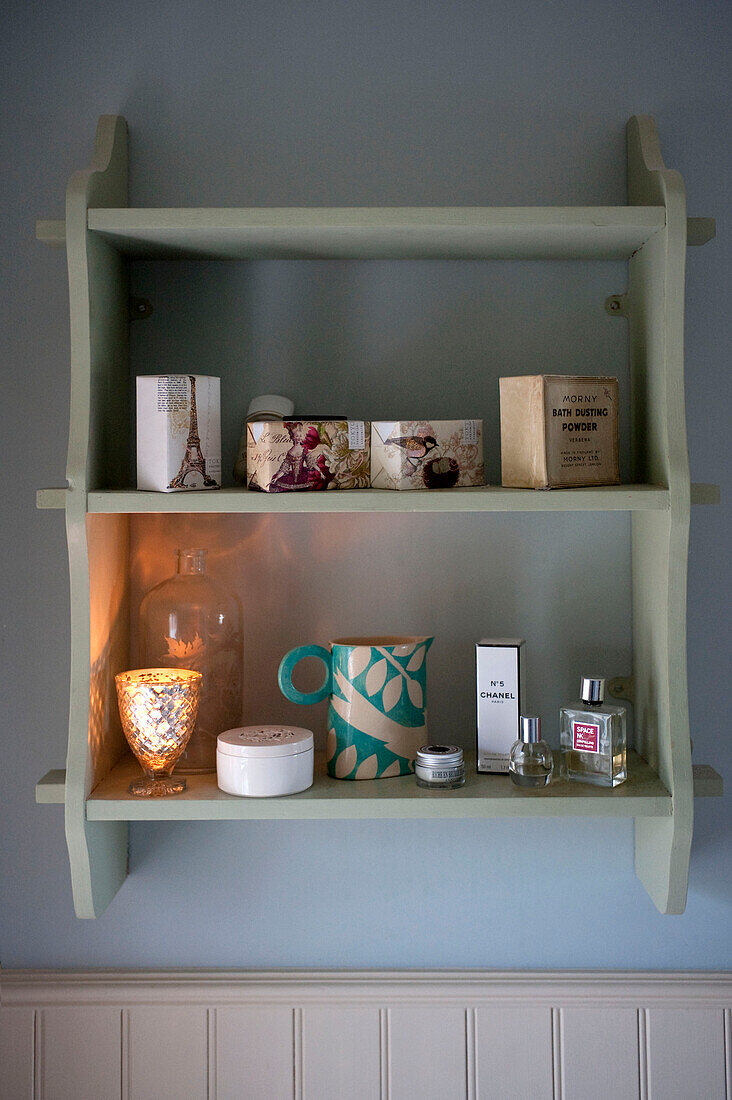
pixel 364 1035
pixel 254 1053
pixel 686 1054
pixel 514 1052
pixel 167 1052
pixel 17 1053
pixel 600 1054
pixel 80 1052
pixel 341 1052
pixel 427 1052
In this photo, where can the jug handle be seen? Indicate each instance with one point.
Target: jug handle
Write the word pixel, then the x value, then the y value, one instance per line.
pixel 287 665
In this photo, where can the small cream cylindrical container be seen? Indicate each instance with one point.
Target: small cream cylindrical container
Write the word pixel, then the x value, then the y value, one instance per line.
pixel 265 761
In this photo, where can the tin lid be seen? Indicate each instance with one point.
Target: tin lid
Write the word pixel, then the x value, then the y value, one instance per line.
pixel 432 756
pixel 263 742
pixel 270 405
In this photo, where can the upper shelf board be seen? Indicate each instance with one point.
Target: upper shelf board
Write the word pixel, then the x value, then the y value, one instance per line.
pixel 483 498
pixel 380 233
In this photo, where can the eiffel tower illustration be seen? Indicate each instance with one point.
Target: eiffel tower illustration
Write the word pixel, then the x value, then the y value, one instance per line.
pixel 193 460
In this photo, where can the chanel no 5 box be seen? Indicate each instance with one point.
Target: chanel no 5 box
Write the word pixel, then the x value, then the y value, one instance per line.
pixel 500 676
pixel 559 431
pixel 178 432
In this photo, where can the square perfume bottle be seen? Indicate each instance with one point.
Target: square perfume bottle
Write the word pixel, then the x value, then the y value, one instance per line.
pixel 593 738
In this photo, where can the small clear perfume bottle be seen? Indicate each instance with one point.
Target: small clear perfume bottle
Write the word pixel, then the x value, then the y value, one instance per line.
pixel 593 738
pixel 530 762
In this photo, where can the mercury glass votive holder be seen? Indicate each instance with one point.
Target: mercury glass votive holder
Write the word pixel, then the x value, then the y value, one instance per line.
pixel 158 708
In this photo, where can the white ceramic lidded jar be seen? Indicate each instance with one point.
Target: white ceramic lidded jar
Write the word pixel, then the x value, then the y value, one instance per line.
pixel 265 761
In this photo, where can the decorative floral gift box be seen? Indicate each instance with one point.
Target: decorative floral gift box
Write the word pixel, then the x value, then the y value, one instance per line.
pixel 426 454
pixel 287 455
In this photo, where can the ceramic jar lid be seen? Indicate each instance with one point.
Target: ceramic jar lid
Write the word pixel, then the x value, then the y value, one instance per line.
pixel 265 742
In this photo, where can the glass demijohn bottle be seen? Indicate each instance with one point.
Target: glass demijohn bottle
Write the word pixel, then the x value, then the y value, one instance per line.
pixel 530 762
pixel 593 738
pixel 189 621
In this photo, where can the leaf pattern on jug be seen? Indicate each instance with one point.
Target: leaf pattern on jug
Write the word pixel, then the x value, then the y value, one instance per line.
pixel 375 677
pixel 417 659
pixel 358 660
pixel 393 769
pixel 415 693
pixel 368 768
pixel 392 694
pixel 346 762
pixel 330 744
pixel 404 650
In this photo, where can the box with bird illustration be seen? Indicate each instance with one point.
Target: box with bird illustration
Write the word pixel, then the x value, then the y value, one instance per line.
pixel 291 455
pixel 426 454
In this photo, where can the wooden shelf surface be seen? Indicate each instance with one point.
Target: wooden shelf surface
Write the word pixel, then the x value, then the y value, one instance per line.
pixel 483 498
pixel 495 793
pixel 386 233
pixel 642 795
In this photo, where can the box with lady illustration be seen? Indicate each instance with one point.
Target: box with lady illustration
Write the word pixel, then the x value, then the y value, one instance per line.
pixel 308 454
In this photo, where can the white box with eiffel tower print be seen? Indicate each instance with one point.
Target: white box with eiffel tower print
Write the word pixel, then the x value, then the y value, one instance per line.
pixel 426 454
pixel 178 432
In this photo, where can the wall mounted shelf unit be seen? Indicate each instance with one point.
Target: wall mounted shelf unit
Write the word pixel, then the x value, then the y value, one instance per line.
pixel 101 235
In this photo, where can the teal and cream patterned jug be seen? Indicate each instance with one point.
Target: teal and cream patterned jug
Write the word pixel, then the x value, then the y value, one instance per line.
pixel 377 718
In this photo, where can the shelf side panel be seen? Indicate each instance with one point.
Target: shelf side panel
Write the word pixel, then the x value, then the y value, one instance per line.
pixel 99 311
pixel 99 617
pixel 98 566
pixel 659 548
pixel 660 542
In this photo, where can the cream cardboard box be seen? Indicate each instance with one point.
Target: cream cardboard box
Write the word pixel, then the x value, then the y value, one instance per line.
pixel 178 432
pixel 426 454
pixel 559 431
pixel 287 455
pixel 500 681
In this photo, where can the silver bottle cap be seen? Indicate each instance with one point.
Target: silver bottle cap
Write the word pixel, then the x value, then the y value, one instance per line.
pixel 592 691
pixel 530 728
pixel 446 756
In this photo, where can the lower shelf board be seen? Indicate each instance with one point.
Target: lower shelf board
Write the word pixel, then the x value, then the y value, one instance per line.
pixel 642 795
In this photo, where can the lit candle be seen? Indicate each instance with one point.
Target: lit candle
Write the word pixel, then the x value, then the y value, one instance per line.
pixel 158 708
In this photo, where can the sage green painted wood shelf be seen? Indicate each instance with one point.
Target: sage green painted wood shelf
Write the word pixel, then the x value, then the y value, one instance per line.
pixel 642 795
pixel 483 498
pixel 399 233
pixel 102 235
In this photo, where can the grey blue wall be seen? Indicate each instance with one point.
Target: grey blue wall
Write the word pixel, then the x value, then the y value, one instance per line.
pixel 379 103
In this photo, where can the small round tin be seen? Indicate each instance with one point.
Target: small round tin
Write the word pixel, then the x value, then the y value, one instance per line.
pixel 440 767
pixel 265 761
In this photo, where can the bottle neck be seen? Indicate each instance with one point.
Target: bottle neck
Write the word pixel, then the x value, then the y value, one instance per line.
pixel 191 561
